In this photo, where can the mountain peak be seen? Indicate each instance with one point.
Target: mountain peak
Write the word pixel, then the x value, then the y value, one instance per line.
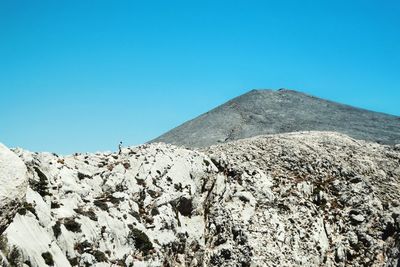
pixel 267 111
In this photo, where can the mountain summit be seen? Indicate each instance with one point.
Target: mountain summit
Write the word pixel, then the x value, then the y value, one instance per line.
pixel 260 112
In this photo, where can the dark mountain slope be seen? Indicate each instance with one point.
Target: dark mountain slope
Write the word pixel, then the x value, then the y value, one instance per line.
pixel 267 112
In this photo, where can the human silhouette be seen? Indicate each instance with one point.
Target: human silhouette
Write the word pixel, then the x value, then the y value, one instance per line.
pixel 120 148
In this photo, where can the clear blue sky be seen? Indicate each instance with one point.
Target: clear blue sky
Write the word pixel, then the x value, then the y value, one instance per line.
pixel 83 75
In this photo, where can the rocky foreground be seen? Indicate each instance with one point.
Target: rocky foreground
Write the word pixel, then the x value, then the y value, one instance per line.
pixel 303 199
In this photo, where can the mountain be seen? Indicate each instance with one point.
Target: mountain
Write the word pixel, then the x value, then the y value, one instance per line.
pixel 294 199
pixel 262 112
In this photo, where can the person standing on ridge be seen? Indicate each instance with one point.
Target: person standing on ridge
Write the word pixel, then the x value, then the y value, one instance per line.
pixel 120 148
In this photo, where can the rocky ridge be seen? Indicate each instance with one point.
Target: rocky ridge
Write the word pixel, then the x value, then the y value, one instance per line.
pixel 308 198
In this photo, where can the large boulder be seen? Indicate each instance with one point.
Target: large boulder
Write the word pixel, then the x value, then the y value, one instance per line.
pixel 13 185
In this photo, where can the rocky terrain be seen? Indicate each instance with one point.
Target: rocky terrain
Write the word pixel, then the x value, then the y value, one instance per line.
pixel 261 112
pixel 299 199
pixel 13 184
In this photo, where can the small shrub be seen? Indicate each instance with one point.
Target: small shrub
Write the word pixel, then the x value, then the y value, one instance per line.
pixel 390 230
pixel 82 176
pixel 89 213
pixel 40 186
pixel 27 207
pixel 114 200
pixel 142 241
pixel 48 258
pixel 127 165
pixel 3 244
pixel 135 215
pixel 99 256
pixel 206 162
pixel 185 206
pixel 72 225
pixel 54 205
pixel 73 261
pixel 110 167
pixel 14 258
pixel 153 194
pixel 122 263
pixel 101 204
pixel 103 229
pixel 120 187
pixel 57 229
pixel 83 246
pixel 22 211
pixel 155 211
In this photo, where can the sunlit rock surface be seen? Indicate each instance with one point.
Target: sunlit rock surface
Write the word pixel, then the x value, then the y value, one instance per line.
pixel 13 183
pixel 301 199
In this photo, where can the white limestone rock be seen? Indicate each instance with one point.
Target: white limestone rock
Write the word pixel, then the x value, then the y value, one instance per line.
pixel 13 184
pixel 300 199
